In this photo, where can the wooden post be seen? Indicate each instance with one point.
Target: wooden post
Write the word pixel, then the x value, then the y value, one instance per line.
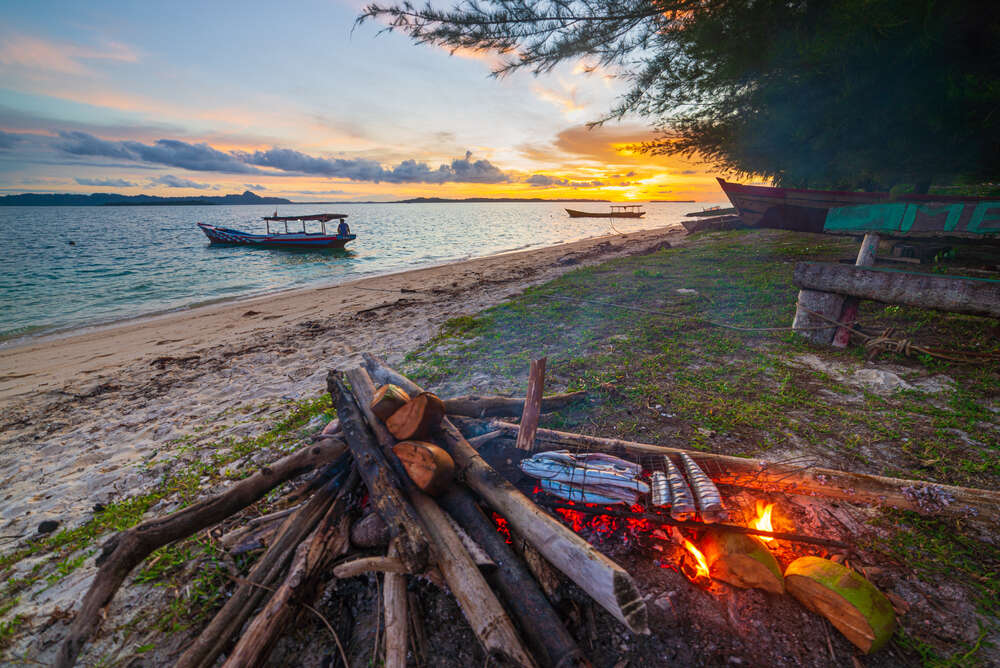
pixel 815 315
pixel 475 406
pixel 532 405
pixel 866 258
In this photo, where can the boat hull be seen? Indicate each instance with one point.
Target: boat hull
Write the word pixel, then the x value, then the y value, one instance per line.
pixel 229 237
pixel 805 210
pixel 573 213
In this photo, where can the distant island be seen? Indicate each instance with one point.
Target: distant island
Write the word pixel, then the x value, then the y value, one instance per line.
pixel 673 201
pixel 112 199
pixel 445 200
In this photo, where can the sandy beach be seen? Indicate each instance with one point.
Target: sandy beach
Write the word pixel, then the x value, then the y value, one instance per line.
pixel 82 410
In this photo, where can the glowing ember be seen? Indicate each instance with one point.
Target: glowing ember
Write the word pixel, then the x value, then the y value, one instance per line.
pixel 763 519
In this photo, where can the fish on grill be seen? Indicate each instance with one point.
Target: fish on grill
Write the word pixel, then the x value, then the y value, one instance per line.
pixel 599 494
pixel 594 460
pixel 659 489
pixel 705 492
pixel 683 507
pixel 551 469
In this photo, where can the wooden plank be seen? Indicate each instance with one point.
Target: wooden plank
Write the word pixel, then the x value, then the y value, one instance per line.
pixel 973 220
pixel 866 258
pixel 973 296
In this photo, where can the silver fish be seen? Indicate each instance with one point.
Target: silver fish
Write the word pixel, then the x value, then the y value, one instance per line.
pixel 585 495
pixel 549 469
pixel 683 507
pixel 705 491
pixel 594 460
pixel 660 490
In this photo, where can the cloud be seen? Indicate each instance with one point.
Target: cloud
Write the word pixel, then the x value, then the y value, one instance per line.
pixel 319 192
pixel 565 100
pixel 32 53
pixel 254 186
pixel 544 180
pixel 171 181
pixel 204 158
pixel 170 152
pixel 7 140
pixel 689 171
pixel 106 183
pixel 461 170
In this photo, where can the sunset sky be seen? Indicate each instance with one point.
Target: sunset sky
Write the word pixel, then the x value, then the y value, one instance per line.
pixel 287 100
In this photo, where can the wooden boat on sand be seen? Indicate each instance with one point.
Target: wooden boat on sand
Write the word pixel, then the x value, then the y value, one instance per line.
pixel 617 211
pixel 287 239
pixel 806 210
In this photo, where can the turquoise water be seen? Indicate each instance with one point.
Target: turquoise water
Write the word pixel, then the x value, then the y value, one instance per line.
pixel 70 267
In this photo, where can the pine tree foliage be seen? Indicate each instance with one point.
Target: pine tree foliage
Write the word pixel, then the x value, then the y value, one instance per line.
pixel 809 93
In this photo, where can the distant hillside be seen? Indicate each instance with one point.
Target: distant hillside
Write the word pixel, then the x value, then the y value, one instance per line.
pixel 112 199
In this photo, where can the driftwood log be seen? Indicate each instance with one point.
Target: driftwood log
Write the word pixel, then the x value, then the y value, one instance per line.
pixel 541 627
pixel 923 497
pixel 312 557
pixel 476 406
pixel 532 406
pixel 356 567
pixel 124 551
pixel 480 606
pixel 265 574
pixel 383 483
pixel 604 580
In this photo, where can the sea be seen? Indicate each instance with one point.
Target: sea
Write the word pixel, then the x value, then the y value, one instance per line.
pixel 67 268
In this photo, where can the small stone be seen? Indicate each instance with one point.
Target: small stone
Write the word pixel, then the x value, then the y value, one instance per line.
pixel 48 526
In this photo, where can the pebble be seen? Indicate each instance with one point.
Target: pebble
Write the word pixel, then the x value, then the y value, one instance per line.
pixel 48 526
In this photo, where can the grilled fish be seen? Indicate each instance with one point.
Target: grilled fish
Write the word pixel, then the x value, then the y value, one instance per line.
pixel 683 507
pixel 705 492
pixel 556 470
pixel 607 496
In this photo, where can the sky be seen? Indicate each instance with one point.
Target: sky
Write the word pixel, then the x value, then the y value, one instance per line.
pixel 293 100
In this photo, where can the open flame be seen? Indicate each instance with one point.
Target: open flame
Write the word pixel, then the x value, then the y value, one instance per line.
pixel 700 564
pixel 763 519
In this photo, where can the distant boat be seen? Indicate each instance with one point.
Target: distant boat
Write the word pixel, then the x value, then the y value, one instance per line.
pixel 286 239
pixel 805 210
pixel 711 211
pixel 617 211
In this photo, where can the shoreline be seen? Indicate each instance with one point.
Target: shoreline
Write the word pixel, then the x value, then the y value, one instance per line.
pixel 98 416
pixel 43 333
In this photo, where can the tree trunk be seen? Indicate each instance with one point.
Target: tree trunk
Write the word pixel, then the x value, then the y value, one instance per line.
pixel 124 551
pixel 394 597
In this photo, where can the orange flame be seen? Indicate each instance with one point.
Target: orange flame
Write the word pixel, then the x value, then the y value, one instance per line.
pixel 699 558
pixel 763 519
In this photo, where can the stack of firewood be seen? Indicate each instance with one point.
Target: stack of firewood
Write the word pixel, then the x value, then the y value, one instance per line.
pixel 430 491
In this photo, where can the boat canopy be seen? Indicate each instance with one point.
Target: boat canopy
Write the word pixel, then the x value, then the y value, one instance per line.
pixel 321 217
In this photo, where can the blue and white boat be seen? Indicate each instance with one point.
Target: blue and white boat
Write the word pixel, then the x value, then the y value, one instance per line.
pixel 288 238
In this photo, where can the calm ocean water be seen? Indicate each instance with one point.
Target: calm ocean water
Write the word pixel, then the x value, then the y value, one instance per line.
pixel 70 267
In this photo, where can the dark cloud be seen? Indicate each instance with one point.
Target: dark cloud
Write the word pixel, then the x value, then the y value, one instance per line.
pixel 171 181
pixel 170 152
pixel 254 186
pixel 7 140
pixel 81 143
pixel 106 183
pixel 632 173
pixel 461 170
pixel 689 171
pixel 319 192
pixel 543 180
pixel 195 157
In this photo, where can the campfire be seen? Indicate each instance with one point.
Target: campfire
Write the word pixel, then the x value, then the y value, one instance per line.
pixel 406 484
